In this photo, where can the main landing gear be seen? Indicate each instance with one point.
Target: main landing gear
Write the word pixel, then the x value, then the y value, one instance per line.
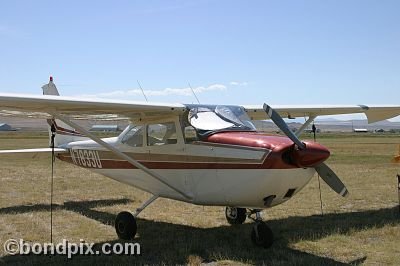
pixel 125 225
pixel 235 215
pixel 261 234
pixel 125 222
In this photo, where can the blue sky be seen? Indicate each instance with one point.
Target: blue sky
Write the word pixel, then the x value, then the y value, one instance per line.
pixel 236 52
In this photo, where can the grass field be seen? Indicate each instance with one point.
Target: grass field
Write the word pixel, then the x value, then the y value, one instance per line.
pixel 361 229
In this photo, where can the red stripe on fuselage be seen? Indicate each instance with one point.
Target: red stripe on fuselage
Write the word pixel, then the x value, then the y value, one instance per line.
pixel 270 163
pixel 64 131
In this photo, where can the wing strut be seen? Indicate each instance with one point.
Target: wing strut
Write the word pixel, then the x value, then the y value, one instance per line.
pixel 301 129
pixel 119 153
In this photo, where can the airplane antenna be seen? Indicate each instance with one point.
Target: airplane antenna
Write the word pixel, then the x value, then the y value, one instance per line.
pixel 142 90
pixel 194 93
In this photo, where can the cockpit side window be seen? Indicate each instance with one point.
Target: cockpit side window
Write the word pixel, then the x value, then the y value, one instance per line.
pixel 161 134
pixel 134 137
pixel 190 134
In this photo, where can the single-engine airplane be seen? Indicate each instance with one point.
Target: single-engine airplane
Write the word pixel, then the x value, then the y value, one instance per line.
pixel 196 153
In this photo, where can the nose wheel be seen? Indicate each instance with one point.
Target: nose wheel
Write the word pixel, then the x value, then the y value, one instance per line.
pixel 261 234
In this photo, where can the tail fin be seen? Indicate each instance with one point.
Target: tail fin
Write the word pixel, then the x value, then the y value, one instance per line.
pixel 50 88
pixel 64 133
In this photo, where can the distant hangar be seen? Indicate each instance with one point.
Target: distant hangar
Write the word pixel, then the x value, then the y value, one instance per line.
pixel 360 130
pixel 105 128
pixel 5 127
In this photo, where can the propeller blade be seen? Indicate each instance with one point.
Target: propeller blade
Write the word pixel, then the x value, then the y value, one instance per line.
pixel 283 126
pixel 323 170
pixel 332 179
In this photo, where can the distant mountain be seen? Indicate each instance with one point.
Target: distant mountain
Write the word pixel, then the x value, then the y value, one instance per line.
pixel 325 124
pixel 328 119
pixel 332 124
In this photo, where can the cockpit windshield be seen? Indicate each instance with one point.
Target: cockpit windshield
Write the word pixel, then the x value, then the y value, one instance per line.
pixel 220 117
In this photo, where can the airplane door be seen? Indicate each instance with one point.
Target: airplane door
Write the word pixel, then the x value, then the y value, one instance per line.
pixel 201 172
pixel 166 154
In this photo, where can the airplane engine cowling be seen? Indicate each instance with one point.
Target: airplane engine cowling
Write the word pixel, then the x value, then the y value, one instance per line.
pixel 313 155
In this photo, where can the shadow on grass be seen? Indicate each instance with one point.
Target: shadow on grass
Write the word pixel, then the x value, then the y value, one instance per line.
pixel 167 243
pixel 81 207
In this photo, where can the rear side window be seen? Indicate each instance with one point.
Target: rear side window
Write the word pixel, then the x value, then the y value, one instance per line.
pixel 134 137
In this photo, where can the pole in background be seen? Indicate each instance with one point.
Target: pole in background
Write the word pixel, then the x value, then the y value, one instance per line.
pixel 398 188
pixel 314 130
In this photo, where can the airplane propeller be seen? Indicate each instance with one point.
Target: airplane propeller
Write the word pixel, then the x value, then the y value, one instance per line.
pixel 322 169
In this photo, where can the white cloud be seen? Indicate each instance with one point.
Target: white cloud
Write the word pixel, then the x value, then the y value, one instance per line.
pixel 237 83
pixel 164 92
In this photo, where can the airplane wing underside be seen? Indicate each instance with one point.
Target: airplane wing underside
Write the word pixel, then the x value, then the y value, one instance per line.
pixel 374 113
pixel 34 151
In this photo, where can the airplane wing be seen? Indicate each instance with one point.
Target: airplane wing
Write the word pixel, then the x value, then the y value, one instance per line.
pixel 374 113
pixel 76 108
pixel 34 151
pixel 40 106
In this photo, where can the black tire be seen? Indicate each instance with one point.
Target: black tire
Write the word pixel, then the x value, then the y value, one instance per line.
pixel 235 215
pixel 262 235
pixel 125 225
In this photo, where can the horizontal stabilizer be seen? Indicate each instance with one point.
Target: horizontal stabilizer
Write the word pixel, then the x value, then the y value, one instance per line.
pixel 38 150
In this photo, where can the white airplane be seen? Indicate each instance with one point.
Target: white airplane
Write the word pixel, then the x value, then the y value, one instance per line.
pixel 196 153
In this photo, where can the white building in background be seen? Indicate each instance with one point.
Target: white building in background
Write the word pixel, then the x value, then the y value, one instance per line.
pixel 105 128
pixel 360 130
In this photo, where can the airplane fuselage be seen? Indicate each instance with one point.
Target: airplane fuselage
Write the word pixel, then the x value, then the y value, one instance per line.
pixel 242 169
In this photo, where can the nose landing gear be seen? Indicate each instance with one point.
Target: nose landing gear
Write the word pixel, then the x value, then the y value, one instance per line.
pixel 261 234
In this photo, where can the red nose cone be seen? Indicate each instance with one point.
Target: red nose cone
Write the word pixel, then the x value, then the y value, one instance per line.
pixel 311 156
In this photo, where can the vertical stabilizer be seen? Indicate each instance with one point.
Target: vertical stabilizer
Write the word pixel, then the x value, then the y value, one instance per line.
pixel 64 133
pixel 50 88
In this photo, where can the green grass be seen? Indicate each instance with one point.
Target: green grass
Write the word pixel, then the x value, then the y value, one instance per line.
pixel 361 229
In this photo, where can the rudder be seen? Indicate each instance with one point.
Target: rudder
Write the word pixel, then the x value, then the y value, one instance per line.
pixel 64 133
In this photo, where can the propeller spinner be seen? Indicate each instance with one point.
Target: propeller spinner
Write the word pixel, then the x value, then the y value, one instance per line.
pixel 322 169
